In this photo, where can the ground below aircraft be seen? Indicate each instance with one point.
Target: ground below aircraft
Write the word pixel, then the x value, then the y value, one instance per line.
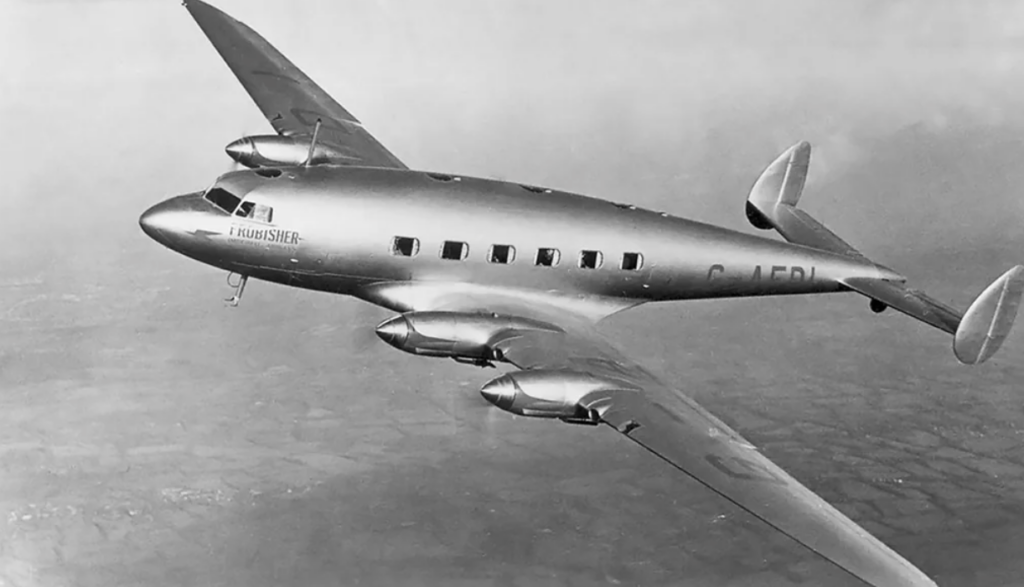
pixel 486 272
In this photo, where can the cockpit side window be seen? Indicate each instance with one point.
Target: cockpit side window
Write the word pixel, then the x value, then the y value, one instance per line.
pixel 245 209
pixel 263 213
pixel 222 199
pixel 256 211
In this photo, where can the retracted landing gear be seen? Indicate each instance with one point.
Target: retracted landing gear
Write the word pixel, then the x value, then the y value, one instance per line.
pixel 239 289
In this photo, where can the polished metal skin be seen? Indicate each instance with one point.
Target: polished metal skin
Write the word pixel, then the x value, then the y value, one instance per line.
pixel 461 336
pixel 340 226
pixel 282 151
pixel 551 394
pixel 485 271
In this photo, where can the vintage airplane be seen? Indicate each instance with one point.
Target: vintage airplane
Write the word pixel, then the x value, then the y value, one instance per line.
pixel 486 271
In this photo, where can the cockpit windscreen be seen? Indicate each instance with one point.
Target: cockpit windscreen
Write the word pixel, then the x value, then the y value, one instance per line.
pixel 223 199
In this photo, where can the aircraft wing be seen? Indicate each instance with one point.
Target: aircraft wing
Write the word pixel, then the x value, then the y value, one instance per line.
pixel 288 98
pixel 675 428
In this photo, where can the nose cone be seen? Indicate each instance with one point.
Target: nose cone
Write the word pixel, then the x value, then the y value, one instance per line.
pixel 394 331
pixel 241 150
pixel 500 391
pixel 155 222
pixel 172 221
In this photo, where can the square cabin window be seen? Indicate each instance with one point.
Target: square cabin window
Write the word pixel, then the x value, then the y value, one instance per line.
pixel 590 259
pixel 503 254
pixel 405 246
pixel 632 261
pixel 547 257
pixel 454 250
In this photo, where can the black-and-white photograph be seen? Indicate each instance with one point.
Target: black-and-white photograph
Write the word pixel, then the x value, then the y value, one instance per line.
pixel 511 293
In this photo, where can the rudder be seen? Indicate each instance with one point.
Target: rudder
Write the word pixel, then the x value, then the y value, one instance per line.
pixel 773 200
pixel 978 333
pixel 782 182
pixel 987 322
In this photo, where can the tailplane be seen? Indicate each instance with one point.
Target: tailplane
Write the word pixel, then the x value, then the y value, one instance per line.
pixel 978 333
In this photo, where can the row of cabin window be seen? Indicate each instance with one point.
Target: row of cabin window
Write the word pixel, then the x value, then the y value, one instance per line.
pixel 407 246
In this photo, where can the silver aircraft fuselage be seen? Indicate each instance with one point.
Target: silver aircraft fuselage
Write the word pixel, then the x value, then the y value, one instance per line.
pixel 486 272
pixel 334 229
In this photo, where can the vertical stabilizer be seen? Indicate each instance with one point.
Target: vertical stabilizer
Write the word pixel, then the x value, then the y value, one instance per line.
pixel 987 323
pixel 978 333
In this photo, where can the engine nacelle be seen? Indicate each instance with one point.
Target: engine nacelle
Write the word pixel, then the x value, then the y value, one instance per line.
pixel 461 336
pixel 281 151
pixel 549 394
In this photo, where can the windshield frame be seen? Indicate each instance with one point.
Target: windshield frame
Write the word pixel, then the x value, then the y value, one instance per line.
pixel 221 198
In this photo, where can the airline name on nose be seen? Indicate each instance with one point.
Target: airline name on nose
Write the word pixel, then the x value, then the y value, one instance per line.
pixel 270 235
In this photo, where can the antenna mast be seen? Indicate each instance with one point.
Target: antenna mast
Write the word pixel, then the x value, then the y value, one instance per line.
pixel 312 143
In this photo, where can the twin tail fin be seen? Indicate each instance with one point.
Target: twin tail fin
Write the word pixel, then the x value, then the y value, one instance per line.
pixel 977 333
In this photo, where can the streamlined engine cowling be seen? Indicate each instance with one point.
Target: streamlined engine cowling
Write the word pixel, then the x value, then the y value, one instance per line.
pixel 574 397
pixel 461 336
pixel 281 151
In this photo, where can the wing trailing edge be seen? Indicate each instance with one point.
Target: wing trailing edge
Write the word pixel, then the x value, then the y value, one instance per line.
pixel 289 99
pixel 579 367
pixel 978 333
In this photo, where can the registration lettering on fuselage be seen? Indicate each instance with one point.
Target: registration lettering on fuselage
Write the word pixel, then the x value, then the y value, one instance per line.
pixel 768 273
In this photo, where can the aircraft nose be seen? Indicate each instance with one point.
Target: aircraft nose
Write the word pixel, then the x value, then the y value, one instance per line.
pixel 394 331
pixel 170 221
pixel 500 391
pixel 154 222
pixel 240 150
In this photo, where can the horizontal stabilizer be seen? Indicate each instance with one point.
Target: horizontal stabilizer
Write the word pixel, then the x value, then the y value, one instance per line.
pixel 912 302
pixel 978 333
pixel 987 322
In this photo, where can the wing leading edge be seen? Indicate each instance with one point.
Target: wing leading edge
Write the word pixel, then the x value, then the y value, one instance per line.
pixel 288 98
pixel 680 432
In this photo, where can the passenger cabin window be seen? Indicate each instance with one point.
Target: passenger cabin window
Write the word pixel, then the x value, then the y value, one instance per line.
pixel 222 199
pixel 405 246
pixel 547 257
pixel 632 261
pixel 454 250
pixel 503 254
pixel 590 259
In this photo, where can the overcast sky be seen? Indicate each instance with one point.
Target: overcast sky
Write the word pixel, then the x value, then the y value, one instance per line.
pixel 913 107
